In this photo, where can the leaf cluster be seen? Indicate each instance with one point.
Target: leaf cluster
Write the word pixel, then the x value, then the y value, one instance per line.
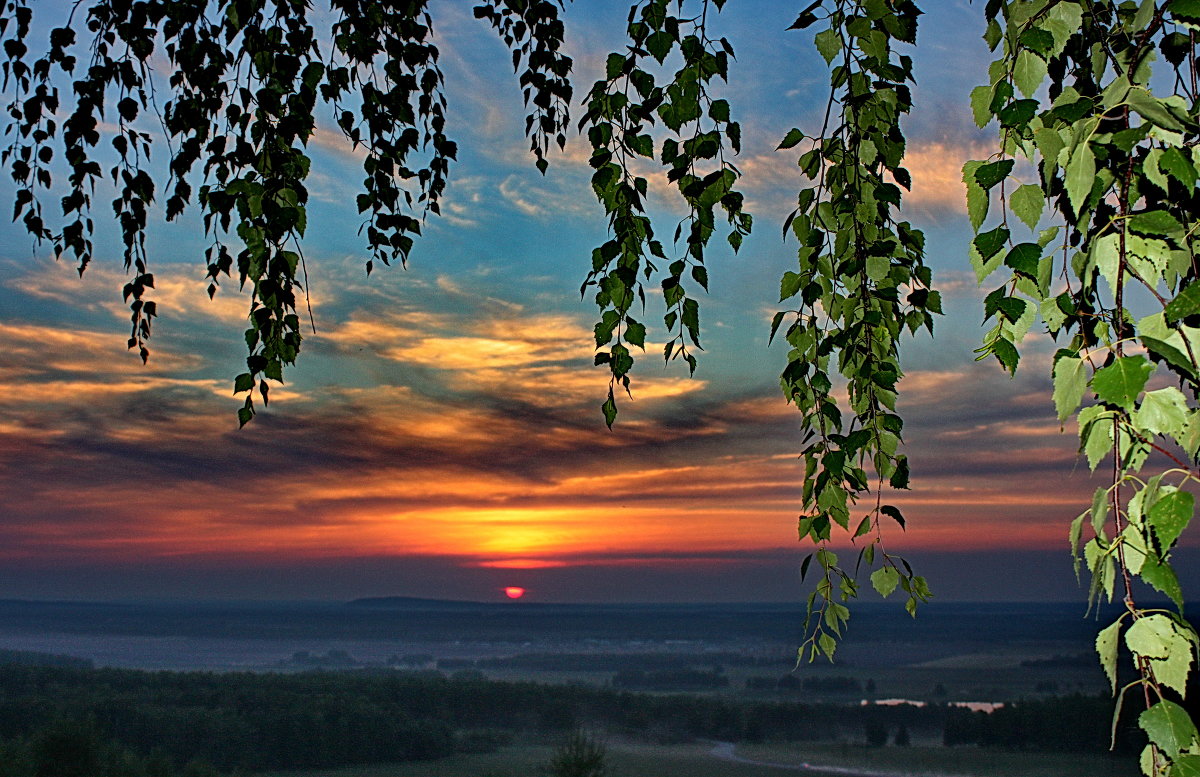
pixel 1089 143
pixel 533 32
pixel 623 110
pixel 859 285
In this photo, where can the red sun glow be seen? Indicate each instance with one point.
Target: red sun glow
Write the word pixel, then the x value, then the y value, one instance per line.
pixel 514 592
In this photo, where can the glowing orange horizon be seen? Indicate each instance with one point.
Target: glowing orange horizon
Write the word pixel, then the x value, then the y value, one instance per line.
pixel 522 563
pixel 553 535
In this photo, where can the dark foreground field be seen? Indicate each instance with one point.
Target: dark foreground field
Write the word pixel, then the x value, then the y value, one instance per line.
pixel 409 687
pixel 811 760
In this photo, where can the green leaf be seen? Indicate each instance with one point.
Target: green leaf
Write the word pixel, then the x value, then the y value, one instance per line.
pixel 977 198
pixel 988 244
pixel 1011 308
pixel 1163 579
pixel 610 409
pixel 1152 109
pixel 1028 202
pixel 1120 382
pixel 1157 638
pixel 1070 383
pixel 606 326
pixel 776 320
pixel 1100 502
pixel 1144 15
pixel 1105 254
pixel 1177 165
pixel 1188 10
pixel 1095 433
pixel 829 44
pixel 878 267
pixel 1028 72
pixel 894 513
pixel 659 44
pixel 1170 515
pixel 1162 412
pixel 993 34
pixel 635 333
pixel 981 105
pixel 1155 223
pixel 641 144
pixel 1106 649
pixel 899 478
pixel 1186 303
pixel 1190 439
pixel 1151 636
pixel 789 284
pixel 1185 766
pixel 1151 168
pixel 1006 353
pixel 1052 314
pixel 1039 40
pixel 806 17
pixel 884 580
pixel 793 137
pixel 312 74
pixel 1081 175
pixel 1076 532
pixel 1063 21
pixel 990 174
pixel 1173 356
pixel 243 382
pixel 1134 548
pixel 828 645
pixel 613 65
pixel 1024 258
pixel 1018 114
pixel 982 268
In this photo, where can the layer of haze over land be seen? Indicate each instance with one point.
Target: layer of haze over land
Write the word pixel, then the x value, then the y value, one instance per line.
pixel 441 435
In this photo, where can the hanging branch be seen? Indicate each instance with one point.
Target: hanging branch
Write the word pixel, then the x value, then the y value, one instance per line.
pixel 1116 167
pixel 621 110
pixel 860 284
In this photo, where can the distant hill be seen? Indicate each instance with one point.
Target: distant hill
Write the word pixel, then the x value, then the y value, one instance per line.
pixel 35 658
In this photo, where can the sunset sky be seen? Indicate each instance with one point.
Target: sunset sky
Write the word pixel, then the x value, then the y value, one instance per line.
pixel 441 434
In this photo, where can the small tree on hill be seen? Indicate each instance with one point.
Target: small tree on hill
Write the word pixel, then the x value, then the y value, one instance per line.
pixel 580 755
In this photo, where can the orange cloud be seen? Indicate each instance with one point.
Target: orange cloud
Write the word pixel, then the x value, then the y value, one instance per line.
pixel 27 350
pixel 528 356
pixel 936 169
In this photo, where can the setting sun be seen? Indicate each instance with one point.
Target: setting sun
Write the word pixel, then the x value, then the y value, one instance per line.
pixel 514 592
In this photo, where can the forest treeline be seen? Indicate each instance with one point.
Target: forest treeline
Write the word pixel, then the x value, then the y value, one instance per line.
pixel 77 722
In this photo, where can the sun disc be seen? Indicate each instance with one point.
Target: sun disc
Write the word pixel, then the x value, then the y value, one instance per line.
pixel 514 592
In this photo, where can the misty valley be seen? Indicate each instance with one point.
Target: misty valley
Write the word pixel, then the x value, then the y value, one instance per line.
pixel 406 687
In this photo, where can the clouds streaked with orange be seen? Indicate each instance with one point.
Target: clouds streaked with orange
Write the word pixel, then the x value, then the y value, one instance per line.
pixel 533 356
pixel 429 430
